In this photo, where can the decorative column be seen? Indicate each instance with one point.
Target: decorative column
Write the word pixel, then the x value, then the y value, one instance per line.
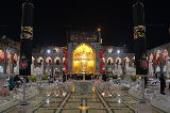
pixel 26 39
pixel 26 47
pixel 139 36
pixel 140 42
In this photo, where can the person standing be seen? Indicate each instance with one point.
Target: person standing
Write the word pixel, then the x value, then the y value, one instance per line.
pixel 119 68
pixel 11 83
pixel 37 72
pixel 104 76
pixel 151 70
pixel 162 74
pixel 17 81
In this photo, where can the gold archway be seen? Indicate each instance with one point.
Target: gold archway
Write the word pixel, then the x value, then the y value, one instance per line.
pixel 83 59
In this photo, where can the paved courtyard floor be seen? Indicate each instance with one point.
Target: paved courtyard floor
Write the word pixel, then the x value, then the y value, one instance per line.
pixel 84 98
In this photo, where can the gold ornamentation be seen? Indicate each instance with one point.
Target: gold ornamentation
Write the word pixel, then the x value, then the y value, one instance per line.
pixel 26 32
pixel 139 31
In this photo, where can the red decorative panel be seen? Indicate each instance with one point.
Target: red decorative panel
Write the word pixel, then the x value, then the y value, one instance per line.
pixel 101 62
pixel 2 55
pixel 15 58
pixel 65 61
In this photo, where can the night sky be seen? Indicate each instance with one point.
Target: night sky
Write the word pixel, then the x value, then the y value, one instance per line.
pixel 54 18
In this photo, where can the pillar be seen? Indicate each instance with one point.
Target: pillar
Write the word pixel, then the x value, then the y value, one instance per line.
pixel 26 38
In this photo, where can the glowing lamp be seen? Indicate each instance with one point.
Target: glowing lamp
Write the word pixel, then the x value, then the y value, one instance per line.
pixel 48 51
pixel 118 51
pixel 98 29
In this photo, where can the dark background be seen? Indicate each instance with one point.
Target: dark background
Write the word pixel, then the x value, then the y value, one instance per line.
pixel 54 18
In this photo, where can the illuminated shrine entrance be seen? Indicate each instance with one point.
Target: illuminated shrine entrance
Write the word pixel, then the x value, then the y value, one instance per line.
pixel 83 59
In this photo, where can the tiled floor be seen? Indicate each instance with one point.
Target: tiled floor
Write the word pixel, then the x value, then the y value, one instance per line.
pixel 87 103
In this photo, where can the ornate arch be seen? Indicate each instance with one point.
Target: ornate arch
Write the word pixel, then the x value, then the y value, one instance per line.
pixel 83 59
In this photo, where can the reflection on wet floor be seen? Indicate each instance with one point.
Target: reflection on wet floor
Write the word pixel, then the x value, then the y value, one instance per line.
pixel 87 103
pixel 79 102
pixel 123 104
pixel 92 104
pixel 73 105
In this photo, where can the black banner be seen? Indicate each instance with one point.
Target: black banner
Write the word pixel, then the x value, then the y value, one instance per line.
pixel 139 38
pixel 25 57
pixel 138 14
pixel 26 39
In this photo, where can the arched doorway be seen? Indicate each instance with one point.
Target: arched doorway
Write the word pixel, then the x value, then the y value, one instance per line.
pixel 83 59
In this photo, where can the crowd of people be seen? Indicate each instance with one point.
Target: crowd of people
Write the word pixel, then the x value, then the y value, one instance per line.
pixel 158 67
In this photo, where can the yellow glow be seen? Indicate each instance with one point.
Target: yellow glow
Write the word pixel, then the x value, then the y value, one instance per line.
pixel 73 88
pixel 83 108
pixel 83 59
pixel 98 29
pixel 93 89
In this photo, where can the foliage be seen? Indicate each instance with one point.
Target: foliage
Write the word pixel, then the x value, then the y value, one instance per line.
pixel 32 78
pixel 45 77
pixel 133 77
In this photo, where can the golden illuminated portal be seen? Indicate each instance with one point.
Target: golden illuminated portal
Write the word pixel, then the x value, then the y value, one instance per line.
pixel 84 60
